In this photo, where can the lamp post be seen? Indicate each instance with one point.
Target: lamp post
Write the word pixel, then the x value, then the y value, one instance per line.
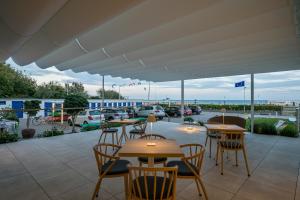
pixel 152 119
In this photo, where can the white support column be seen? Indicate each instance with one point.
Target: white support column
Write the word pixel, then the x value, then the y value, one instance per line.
pixel 252 103
pixel 102 104
pixel 182 100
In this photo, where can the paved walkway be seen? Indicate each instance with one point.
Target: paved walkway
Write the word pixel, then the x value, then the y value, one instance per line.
pixel 63 167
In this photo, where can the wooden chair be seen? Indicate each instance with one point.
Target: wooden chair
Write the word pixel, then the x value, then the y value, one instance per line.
pixel 107 130
pixel 138 129
pixel 239 121
pixel 157 160
pixel 109 165
pixel 231 141
pixel 152 183
pixel 190 166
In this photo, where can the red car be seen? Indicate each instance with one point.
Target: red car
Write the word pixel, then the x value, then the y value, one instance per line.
pixel 57 117
pixel 187 111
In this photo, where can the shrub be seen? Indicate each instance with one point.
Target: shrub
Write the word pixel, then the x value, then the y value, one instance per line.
pixel 73 105
pixel 6 137
pixel 290 131
pixel 188 119
pixel 9 114
pixel 53 132
pixel 264 127
pixel 201 123
pixel 31 108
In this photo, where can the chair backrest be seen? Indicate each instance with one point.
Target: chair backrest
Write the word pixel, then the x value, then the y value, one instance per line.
pixel 152 183
pixel 193 154
pixel 239 121
pixel 231 140
pixel 105 154
pixel 104 125
pixel 141 125
pixel 152 137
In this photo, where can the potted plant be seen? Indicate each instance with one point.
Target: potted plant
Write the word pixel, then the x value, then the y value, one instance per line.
pixel 73 104
pixel 31 108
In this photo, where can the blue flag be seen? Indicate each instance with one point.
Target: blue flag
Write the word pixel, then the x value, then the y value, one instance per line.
pixel 240 84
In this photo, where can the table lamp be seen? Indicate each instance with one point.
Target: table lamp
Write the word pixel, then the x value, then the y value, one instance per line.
pixel 151 118
pixel 223 110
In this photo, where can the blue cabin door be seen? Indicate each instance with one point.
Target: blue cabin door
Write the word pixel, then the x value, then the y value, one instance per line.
pixel 47 108
pixel 18 106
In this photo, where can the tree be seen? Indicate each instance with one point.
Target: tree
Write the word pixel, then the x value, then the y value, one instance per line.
pixel 15 84
pixel 73 104
pixel 76 88
pixel 109 94
pixel 31 108
pixel 51 90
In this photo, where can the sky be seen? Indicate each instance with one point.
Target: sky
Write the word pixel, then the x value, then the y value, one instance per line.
pixel 277 86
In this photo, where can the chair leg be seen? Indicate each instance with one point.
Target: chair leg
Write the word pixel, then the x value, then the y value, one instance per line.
pixel 96 191
pixel 203 188
pixel 210 147
pixel 222 155
pixel 113 139
pixel 246 161
pixel 100 138
pixel 126 186
pixel 217 154
pixel 104 137
pixel 198 186
pixel 206 140
pixel 117 138
pixel 236 158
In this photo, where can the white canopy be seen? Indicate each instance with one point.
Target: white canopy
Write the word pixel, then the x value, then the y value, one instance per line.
pixel 152 40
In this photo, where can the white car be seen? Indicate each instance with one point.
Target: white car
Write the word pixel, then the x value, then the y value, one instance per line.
pixel 157 110
pixel 88 117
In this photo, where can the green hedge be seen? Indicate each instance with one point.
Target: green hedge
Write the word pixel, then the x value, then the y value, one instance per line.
pixel 232 107
pixel 188 119
pixel 265 128
pixel 53 132
pixel 290 131
pixel 6 137
pixel 274 108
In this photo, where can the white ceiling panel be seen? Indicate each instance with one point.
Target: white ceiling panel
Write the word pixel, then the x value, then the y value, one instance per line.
pixel 154 40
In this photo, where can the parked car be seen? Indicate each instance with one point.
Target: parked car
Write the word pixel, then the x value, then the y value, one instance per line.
pixel 131 111
pixel 196 109
pixel 157 110
pixel 87 117
pixel 111 114
pixel 175 111
pixel 187 111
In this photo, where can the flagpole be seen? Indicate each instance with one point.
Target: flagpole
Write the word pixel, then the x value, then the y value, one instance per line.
pixel 244 100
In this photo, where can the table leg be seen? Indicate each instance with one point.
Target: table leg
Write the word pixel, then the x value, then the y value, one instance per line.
pixel 150 161
pixel 123 135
